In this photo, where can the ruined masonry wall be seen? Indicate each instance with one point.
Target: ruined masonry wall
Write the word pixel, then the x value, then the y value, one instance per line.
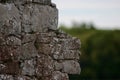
pixel 31 46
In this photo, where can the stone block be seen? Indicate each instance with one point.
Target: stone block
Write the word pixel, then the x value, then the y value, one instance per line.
pixel 67 55
pixel 59 76
pixel 63 35
pixel 33 22
pixel 13 41
pixel 28 51
pixel 61 51
pixel 9 53
pixel 10 22
pixel 28 67
pixel 44 66
pixel 11 67
pixel 10 40
pixel 45 49
pixel 46 78
pixel 2 40
pixel 71 54
pixel 27 38
pixel 45 37
pixel 70 43
pixel 57 53
pixel 71 67
pixel 58 66
pixel 6 77
pixel 68 66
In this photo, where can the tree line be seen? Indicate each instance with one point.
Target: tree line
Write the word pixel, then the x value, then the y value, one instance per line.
pixel 100 50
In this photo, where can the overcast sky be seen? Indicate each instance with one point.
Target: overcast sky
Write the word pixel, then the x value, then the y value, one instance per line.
pixel 103 13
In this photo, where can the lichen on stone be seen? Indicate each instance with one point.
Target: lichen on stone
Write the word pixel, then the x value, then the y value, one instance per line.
pixel 31 46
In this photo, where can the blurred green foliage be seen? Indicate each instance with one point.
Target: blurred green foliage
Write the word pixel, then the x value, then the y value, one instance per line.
pixel 100 49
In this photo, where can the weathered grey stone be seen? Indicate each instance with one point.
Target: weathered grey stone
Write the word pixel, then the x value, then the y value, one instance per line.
pixel 2 39
pixel 71 54
pixel 31 46
pixel 27 38
pixel 10 40
pixel 68 66
pixel 71 67
pixel 66 49
pixel 14 41
pixel 70 43
pixel 33 22
pixel 28 51
pixel 66 54
pixel 60 76
pixel 9 19
pixel 8 53
pixel 62 35
pixel 58 66
pixel 45 49
pixel 58 56
pixel 28 67
pixel 45 37
pixel 10 67
pixel 44 66
pixel 6 77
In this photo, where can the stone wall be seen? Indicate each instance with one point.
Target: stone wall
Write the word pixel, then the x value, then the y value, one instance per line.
pixel 31 46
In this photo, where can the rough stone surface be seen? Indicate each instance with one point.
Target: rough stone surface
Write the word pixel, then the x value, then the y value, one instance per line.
pixel 57 75
pixel 11 67
pixel 31 46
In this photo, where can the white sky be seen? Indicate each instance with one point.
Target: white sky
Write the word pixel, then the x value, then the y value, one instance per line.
pixel 103 13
